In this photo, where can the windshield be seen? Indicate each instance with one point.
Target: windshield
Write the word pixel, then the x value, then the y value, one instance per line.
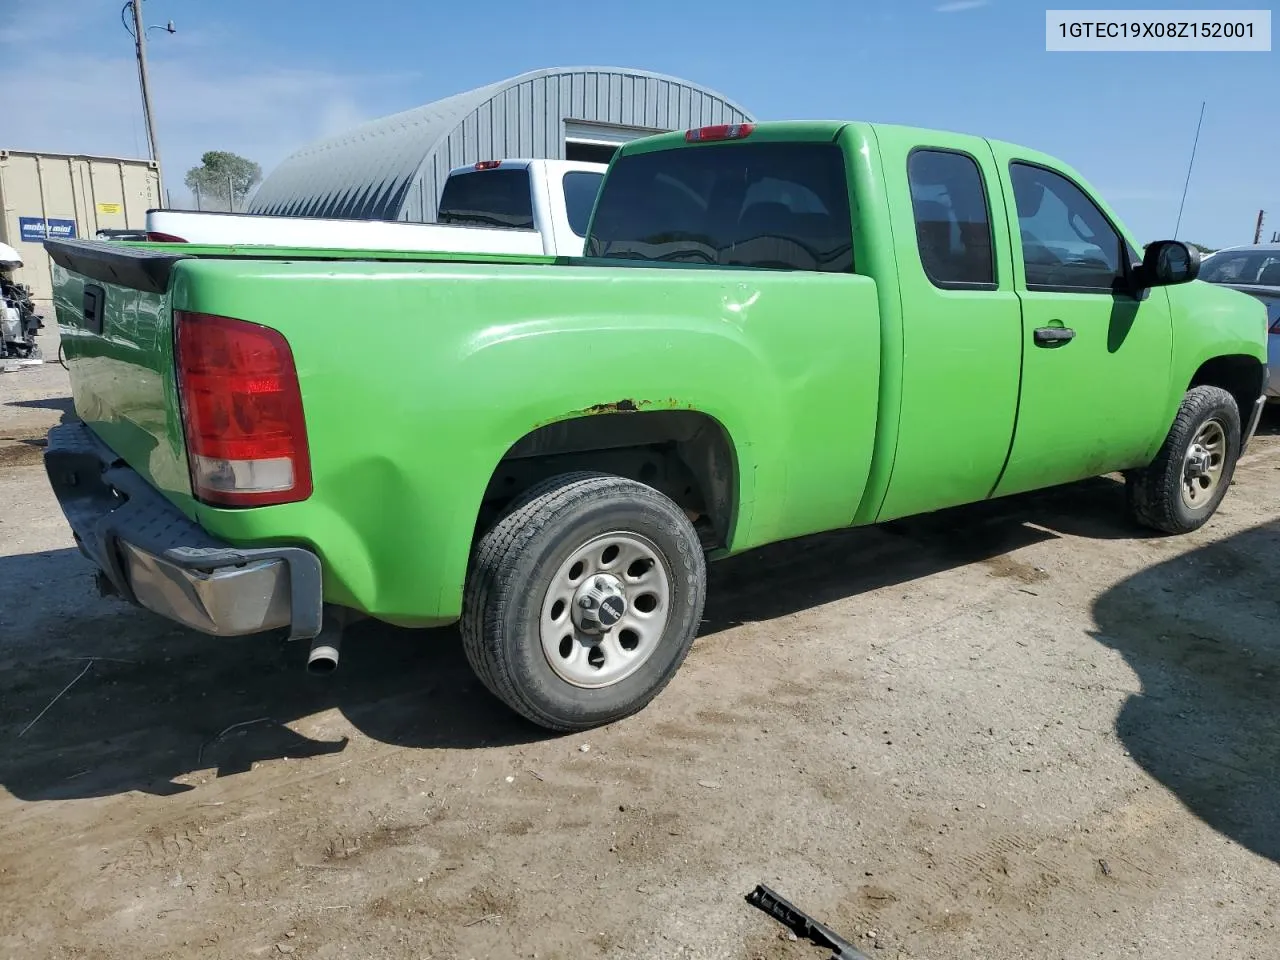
pixel 1260 267
pixel 782 206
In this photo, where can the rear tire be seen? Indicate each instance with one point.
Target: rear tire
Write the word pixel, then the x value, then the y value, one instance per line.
pixel 583 600
pixel 1182 487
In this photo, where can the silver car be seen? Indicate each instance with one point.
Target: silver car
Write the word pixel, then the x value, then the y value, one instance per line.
pixel 1255 269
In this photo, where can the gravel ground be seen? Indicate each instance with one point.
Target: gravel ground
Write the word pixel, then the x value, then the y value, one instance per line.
pixel 1019 730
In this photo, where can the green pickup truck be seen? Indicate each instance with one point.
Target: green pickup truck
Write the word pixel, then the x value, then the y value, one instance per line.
pixel 776 329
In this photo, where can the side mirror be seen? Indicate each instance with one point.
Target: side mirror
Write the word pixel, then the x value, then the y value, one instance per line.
pixel 1167 262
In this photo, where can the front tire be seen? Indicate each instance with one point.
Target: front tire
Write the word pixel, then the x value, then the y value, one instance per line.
pixel 1181 489
pixel 583 600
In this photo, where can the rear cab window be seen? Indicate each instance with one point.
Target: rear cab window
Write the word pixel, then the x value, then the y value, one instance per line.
pixel 772 205
pixel 488 198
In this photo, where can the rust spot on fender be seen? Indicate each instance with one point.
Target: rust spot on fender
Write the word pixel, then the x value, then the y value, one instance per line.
pixel 617 406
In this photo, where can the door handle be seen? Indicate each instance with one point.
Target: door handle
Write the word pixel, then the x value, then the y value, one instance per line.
pixel 1053 336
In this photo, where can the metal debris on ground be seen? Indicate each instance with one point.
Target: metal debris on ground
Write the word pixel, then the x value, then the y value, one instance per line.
pixel 803 925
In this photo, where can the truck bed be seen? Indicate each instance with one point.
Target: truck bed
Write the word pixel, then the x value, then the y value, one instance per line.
pixel 462 336
pixel 370 235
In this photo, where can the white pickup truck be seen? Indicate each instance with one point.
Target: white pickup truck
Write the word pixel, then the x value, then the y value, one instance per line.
pixel 495 206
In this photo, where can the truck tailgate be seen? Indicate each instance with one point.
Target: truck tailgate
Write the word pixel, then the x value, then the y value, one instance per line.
pixel 114 311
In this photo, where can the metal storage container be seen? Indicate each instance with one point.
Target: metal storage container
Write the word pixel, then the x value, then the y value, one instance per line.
pixel 68 195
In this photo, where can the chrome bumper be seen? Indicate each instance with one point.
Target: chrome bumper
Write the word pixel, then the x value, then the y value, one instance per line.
pixel 151 554
pixel 223 601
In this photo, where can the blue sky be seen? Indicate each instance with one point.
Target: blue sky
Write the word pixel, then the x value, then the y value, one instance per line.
pixel 262 77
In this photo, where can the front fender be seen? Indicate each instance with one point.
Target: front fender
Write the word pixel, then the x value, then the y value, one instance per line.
pixel 1209 321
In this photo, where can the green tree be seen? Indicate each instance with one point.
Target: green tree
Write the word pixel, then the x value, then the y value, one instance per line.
pixel 223 180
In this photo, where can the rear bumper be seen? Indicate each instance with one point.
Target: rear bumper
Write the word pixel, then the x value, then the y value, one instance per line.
pixel 150 553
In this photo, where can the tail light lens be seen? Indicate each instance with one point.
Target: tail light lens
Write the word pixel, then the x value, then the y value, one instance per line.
pixel 154 236
pixel 242 412
pixel 488 164
pixel 721 131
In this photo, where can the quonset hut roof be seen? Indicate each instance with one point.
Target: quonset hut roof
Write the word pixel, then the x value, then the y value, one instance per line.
pixel 394 168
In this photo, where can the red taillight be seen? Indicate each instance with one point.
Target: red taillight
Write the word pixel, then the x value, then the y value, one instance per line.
pixel 155 237
pixel 242 412
pixel 488 164
pixel 721 131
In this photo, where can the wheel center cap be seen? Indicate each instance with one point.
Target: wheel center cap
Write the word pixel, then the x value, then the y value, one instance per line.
pixel 1197 462
pixel 598 604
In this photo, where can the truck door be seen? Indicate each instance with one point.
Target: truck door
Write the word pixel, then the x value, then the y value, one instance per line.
pixel 961 325
pixel 1095 356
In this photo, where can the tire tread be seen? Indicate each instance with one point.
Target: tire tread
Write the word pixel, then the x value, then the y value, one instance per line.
pixel 493 576
pixel 1154 492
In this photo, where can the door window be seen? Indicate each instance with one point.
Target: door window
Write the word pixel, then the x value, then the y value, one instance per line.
pixel 953 222
pixel 1067 242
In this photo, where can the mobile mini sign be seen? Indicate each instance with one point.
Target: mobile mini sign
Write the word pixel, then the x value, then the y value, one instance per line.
pixel 36 229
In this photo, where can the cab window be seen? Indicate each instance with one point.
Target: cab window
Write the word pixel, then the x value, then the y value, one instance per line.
pixel 953 221
pixel 1067 242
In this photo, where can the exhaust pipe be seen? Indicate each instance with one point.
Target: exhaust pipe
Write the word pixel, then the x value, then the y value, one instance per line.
pixel 326 645
pixel 323 657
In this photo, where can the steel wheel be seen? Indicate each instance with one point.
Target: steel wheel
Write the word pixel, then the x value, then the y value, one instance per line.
pixel 605 610
pixel 1202 466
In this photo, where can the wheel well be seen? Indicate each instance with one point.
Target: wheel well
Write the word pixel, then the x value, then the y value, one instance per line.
pixel 1238 374
pixel 685 454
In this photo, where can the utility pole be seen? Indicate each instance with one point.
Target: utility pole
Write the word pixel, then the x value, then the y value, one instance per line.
pixel 1257 231
pixel 140 46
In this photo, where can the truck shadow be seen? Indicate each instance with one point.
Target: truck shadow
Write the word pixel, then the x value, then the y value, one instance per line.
pixel 133 703
pixel 64 405
pixel 1201 633
pixel 831 566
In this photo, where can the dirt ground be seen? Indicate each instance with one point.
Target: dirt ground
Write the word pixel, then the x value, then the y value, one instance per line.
pixel 1020 730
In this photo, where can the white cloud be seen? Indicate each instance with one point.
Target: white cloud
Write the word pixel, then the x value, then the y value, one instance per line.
pixel 97 109
pixel 205 96
pixel 959 6
pixel 32 21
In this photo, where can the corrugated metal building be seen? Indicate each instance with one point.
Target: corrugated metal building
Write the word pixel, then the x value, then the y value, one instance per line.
pixel 68 195
pixel 394 168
